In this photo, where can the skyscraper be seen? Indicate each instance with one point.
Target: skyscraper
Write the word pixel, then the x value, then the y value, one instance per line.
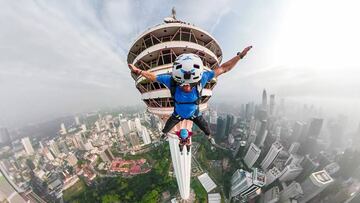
pixel 264 100
pixel 229 124
pixel 4 136
pixel 271 196
pixel 220 128
pixel 63 130
pixel 252 155
pixel 213 117
pixel 315 128
pixel 145 135
pixel 54 148
pixel 106 155
pixel 77 120
pixel 272 104
pixel 290 172
pixel 309 166
pixel 298 131
pixel 291 192
pixel 274 151
pixel 246 184
pixel 272 175
pixel 7 192
pixel 27 146
pixel 261 134
pixel 314 185
pixel 294 147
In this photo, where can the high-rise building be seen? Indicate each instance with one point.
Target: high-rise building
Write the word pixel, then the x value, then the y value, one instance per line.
pixel 125 126
pixel 309 166
pixel 213 117
pixel 63 130
pixel 27 146
pixel 229 124
pixel 332 168
pixel 314 185
pixel 271 196
pixel 106 155
pixel 291 192
pixel 134 139
pixel 264 100
pixel 294 159
pixel 138 125
pixel 272 104
pixel 252 155
pixel 7 191
pixel 246 184
pixel 48 154
pixel 290 172
pixel 220 127
pixel 261 134
pixel 54 148
pixel 294 147
pixel 272 175
pixel 4 136
pixel 297 131
pixel 249 111
pixel 274 151
pixel 83 128
pixel 315 128
pixel 71 159
pixel 97 125
pixel 77 120
pixel 145 136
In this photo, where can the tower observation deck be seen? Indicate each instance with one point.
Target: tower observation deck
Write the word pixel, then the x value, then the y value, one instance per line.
pixel 155 50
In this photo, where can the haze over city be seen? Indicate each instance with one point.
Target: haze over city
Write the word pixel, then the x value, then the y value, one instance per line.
pixel 61 58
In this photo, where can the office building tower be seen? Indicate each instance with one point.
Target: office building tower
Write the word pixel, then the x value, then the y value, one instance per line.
pixel 27 146
pixel 294 159
pixel 125 126
pixel 309 166
pixel 272 175
pixel 290 172
pixel 332 168
pixel 261 134
pixel 272 105
pixel 264 100
pixel 4 136
pixel 271 196
pixel 220 127
pixel 72 160
pixel 106 155
pixel 54 148
pixel 63 130
pixel 97 125
pixel 138 125
pixel 8 193
pixel 291 192
pixel 246 184
pixel 134 139
pixel 315 128
pixel 294 147
pixel 252 155
pixel 229 124
pixel 213 117
pixel 77 120
pixel 274 151
pixel 145 135
pixel 298 131
pixel 314 185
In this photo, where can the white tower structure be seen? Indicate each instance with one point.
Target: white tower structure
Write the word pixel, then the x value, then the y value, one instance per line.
pixel 252 155
pixel 274 151
pixel 27 145
pixel 155 50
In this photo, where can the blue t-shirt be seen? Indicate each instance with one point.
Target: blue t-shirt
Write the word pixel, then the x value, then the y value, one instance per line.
pixel 185 110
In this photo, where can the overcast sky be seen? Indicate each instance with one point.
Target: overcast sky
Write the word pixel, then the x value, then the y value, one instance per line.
pixel 64 57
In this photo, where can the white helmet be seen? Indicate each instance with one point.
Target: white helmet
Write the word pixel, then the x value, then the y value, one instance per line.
pixel 187 69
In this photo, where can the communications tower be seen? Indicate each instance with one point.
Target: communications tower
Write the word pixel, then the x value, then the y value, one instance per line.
pixel 155 50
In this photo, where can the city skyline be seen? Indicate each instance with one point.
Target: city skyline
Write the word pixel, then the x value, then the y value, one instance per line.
pixel 88 69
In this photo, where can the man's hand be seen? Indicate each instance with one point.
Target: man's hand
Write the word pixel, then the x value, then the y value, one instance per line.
pixel 244 52
pixel 134 69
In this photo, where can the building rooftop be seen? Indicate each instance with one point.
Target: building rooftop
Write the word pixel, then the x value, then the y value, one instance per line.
pixel 207 182
pixel 214 198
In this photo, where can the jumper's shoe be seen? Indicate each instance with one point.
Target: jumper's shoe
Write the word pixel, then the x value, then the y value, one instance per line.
pixel 187 153
pixel 211 140
pixel 181 153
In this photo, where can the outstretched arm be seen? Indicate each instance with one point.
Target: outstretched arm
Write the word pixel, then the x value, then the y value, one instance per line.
pixel 230 64
pixel 148 75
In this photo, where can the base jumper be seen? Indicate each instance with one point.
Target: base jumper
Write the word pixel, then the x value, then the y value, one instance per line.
pixel 185 83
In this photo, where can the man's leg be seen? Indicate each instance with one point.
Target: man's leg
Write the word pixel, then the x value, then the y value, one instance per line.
pixel 188 149
pixel 170 123
pixel 204 126
pixel 181 148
